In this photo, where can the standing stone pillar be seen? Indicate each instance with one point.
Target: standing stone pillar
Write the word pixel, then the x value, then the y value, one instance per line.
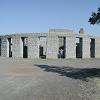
pixel 7 47
pixel 52 46
pixel 21 47
pixel 70 47
pixel 4 47
pixel 16 46
pixel 33 46
pixel 97 47
pixel 86 47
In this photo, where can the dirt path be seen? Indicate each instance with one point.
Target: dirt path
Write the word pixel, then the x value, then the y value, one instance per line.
pixel 22 79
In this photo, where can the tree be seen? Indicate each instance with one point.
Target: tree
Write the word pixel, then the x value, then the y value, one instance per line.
pixel 95 17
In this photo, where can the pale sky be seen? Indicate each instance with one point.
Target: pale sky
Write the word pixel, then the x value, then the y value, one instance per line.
pixel 40 15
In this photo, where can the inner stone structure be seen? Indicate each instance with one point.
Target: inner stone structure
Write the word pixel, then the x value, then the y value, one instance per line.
pixel 55 44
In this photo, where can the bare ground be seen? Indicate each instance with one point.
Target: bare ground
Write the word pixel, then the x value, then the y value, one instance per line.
pixel 38 79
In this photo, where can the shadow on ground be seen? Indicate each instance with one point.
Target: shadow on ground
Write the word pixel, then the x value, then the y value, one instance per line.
pixel 75 73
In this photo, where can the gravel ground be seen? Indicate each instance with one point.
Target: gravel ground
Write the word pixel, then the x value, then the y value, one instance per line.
pixel 39 79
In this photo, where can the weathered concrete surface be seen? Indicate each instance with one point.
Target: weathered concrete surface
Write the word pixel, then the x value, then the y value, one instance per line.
pixel 97 47
pixel 70 47
pixel 33 47
pixel 49 43
pixel 86 47
pixel 22 79
pixel 16 47
pixel 52 46
pixel 4 48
